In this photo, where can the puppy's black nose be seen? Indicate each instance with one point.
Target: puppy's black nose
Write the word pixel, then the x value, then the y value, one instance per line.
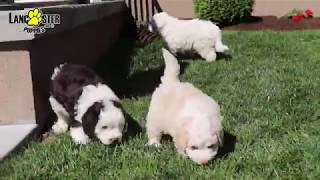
pixel 115 141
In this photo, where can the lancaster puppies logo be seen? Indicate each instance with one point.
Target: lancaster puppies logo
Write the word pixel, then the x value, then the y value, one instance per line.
pixel 36 22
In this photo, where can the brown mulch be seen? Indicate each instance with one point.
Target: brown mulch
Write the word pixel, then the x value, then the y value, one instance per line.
pixel 274 23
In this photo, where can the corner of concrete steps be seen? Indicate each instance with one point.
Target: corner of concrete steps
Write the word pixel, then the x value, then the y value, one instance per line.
pixel 12 136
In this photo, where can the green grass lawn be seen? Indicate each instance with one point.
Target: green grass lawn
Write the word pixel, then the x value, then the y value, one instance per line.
pixel 269 92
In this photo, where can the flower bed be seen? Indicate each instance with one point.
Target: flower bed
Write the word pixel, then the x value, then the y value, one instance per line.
pixel 273 15
pixel 298 15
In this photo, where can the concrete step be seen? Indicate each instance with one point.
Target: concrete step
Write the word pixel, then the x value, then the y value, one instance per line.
pixel 12 135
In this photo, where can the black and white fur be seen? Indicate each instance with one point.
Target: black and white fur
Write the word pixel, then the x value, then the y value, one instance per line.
pixel 82 102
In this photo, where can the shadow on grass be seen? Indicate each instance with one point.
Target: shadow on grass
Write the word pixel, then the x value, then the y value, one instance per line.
pixel 228 145
pixel 114 67
pixel 196 57
pixel 133 127
pixel 226 57
pixel 144 82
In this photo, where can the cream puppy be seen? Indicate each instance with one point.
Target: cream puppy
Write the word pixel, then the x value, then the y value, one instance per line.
pixel 188 115
pixel 185 36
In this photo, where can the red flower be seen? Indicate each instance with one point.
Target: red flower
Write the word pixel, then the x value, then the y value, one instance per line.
pixel 297 18
pixel 309 12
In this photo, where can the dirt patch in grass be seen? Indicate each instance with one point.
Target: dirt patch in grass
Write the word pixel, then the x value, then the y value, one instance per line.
pixel 49 138
pixel 274 23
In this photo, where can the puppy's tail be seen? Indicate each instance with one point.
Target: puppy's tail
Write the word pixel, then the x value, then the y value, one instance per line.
pixel 172 68
pixel 56 71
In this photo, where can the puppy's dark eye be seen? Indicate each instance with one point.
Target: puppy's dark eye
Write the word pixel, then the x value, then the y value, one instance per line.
pixel 104 127
pixel 194 147
pixel 212 146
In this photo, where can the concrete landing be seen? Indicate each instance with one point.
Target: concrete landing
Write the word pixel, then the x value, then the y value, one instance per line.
pixel 12 136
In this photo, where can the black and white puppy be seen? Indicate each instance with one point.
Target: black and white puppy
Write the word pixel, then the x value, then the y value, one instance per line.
pixel 81 100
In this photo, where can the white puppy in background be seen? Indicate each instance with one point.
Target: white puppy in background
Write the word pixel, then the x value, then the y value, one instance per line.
pixel 184 36
pixel 188 115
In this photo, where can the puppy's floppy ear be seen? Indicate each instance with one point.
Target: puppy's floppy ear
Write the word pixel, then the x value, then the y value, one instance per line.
pixel 182 136
pixel 97 106
pixel 90 119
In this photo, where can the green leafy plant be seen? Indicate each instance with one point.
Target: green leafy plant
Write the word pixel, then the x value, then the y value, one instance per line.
pixel 223 11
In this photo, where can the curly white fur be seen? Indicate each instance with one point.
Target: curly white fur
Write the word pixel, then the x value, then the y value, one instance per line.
pixel 188 115
pixel 183 36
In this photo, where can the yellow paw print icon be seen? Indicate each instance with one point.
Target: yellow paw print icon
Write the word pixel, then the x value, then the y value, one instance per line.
pixel 34 17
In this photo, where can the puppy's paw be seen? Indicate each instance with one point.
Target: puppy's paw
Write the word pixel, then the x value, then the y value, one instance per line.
pixel 211 57
pixel 79 136
pixel 81 141
pixel 60 127
pixel 181 152
pixel 221 48
pixel 154 143
pixel 225 48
